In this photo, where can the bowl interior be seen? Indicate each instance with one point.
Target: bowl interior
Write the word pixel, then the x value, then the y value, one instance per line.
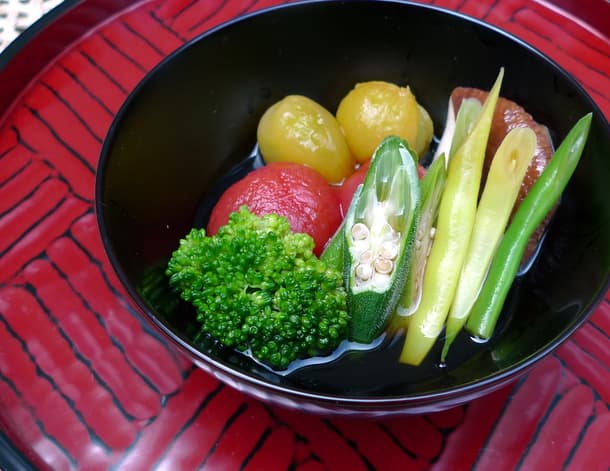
pixel 192 120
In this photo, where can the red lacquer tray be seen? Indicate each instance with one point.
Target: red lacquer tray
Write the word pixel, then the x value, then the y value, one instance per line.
pixel 85 384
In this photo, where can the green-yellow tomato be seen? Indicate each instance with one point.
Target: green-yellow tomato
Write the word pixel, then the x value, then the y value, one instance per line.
pixel 374 110
pixel 297 129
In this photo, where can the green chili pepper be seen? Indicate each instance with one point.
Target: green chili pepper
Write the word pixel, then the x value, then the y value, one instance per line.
pixel 432 186
pixel 543 195
pixel 502 186
pixel 455 221
pixel 378 232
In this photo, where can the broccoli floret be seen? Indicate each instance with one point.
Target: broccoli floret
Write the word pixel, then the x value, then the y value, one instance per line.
pixel 257 285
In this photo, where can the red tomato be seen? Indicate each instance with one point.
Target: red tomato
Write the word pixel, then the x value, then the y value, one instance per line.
pixel 421 171
pixel 346 191
pixel 292 190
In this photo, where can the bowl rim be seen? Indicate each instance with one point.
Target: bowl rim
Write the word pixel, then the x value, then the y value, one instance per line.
pixel 489 383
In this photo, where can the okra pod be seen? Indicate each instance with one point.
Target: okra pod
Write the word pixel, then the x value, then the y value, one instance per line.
pixel 332 254
pixel 378 232
pixel 455 222
pixel 543 195
pixel 432 186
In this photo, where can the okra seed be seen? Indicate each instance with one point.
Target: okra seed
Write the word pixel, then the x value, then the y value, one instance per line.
pixel 417 244
pixel 391 233
pixel 383 265
pixel 388 250
pixel 366 257
pixel 432 232
pixel 364 271
pixel 360 231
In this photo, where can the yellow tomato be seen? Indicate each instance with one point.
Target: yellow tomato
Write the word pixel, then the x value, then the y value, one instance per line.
pixel 297 129
pixel 374 110
pixel 424 132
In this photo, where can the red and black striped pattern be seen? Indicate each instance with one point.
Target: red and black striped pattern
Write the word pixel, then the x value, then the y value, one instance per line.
pixel 85 384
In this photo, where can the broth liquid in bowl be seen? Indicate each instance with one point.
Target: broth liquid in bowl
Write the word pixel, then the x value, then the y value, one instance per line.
pixel 353 369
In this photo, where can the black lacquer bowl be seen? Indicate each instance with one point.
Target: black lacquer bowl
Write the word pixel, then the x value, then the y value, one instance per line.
pixel 179 137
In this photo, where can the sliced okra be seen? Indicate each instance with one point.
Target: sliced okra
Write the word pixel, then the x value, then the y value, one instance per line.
pixel 379 230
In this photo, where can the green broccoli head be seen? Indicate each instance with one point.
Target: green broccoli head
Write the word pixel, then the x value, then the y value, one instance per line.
pixel 257 285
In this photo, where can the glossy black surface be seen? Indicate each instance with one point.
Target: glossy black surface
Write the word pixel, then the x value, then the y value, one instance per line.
pixel 194 118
